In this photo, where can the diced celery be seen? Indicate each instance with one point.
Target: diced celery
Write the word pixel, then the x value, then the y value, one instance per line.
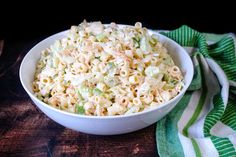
pixel 170 82
pixel 79 109
pixel 85 91
pixel 144 44
pixel 165 78
pixel 97 91
pixel 152 71
pixel 80 96
pixel 111 64
pixel 55 62
pixel 40 98
pixel 168 61
pixel 168 86
pixel 100 37
pixel 173 81
pixel 110 81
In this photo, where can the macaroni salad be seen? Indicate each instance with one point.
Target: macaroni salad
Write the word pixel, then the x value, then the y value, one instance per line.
pixel 105 70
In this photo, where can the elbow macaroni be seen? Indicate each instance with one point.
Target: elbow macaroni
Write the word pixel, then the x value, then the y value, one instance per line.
pixel 106 70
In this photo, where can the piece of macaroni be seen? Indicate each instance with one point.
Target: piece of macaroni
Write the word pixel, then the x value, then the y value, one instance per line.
pixel 106 70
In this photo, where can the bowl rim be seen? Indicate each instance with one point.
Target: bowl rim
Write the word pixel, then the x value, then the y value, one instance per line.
pixel 32 96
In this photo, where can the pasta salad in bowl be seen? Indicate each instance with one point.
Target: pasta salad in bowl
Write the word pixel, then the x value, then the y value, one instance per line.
pixel 93 76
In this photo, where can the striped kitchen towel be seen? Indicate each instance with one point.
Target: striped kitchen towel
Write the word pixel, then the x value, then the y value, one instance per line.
pixel 203 123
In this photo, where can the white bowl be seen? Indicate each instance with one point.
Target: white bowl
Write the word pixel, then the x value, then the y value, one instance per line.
pixel 108 125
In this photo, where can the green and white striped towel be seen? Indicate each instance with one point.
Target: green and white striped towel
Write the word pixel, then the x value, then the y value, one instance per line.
pixel 204 121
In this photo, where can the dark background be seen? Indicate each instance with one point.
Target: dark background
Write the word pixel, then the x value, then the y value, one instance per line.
pixel 42 19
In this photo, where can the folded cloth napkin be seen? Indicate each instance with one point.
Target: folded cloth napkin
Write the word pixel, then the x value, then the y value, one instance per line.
pixel 203 123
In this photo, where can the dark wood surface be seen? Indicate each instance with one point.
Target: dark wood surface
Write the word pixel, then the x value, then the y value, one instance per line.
pixel 26 131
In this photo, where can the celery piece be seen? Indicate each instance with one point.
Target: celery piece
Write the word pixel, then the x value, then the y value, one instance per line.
pixel 79 109
pixel 111 64
pixel 97 91
pixel 169 79
pixel 152 71
pixel 168 86
pixel 165 78
pixel 80 96
pixel 110 81
pixel 170 82
pixel 85 91
pixel 168 61
pixel 173 81
pixel 40 97
pixel 144 44
pixel 100 37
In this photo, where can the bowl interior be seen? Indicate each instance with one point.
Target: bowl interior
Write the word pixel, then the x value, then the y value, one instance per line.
pixel 29 62
pixel 179 55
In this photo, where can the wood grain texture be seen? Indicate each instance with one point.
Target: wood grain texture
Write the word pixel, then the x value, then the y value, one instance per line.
pixel 26 131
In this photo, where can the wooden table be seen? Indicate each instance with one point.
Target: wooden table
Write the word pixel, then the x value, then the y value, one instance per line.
pixel 26 131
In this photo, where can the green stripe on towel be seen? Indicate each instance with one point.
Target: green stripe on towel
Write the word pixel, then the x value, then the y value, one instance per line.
pixel 167 137
pixel 212 107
